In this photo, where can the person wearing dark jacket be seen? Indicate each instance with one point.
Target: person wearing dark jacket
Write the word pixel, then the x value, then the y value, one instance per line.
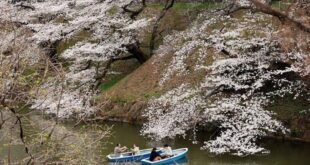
pixel 154 155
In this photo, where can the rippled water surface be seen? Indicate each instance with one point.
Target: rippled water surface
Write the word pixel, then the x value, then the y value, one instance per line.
pixel 282 152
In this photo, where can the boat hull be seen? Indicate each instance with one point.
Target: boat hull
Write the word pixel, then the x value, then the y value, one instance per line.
pixel 179 154
pixel 128 157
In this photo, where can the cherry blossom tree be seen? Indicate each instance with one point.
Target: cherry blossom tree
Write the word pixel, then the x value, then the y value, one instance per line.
pixel 247 68
pixel 24 71
pixel 245 75
pixel 113 37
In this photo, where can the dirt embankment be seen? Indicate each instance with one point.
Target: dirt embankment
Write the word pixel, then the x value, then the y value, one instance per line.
pixel 291 36
pixel 127 99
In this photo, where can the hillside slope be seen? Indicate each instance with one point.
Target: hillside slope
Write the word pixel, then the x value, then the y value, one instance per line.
pixel 241 71
pixel 128 100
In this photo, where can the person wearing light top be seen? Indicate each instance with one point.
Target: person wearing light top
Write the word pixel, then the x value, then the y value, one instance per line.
pixel 135 150
pixel 167 151
pixel 118 149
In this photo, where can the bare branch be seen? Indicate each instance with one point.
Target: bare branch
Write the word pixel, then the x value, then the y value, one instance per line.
pixel 134 13
pixel 259 6
pixel 265 8
pixel 169 4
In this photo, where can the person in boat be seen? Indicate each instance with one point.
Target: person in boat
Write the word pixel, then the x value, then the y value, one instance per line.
pixel 167 151
pixel 135 150
pixel 119 149
pixel 155 156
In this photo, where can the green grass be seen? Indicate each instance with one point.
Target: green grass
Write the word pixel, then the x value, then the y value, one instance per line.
pixel 188 6
pixel 281 5
pixel 110 83
pixel 209 5
pixel 67 43
pixel 150 95
pixel 124 67
pixel 118 99
pixel 61 19
pixel 113 11
pixel 122 99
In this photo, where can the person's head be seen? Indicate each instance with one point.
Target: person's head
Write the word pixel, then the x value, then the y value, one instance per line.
pixel 166 145
pixel 134 145
pixel 118 145
pixel 154 149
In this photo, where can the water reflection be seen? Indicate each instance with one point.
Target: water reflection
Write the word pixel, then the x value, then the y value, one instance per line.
pixel 282 153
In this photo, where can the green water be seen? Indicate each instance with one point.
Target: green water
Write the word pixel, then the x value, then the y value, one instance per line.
pixel 282 152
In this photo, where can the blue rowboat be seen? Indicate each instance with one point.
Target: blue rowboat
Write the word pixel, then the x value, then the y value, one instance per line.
pixel 178 154
pixel 128 156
